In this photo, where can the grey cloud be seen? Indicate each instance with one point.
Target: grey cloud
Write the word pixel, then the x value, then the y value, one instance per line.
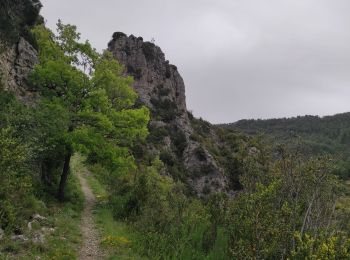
pixel 239 58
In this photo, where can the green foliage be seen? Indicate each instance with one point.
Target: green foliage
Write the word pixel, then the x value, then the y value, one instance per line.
pixel 279 199
pixel 167 223
pixel 15 181
pixel 333 247
pixel 94 100
pixel 310 135
pixel 165 109
pixel 281 194
pixel 16 168
pixel 157 134
pixel 60 243
pixel 342 169
pixel 148 51
pixel 223 145
pixel 117 238
pixel 179 140
pixel 286 206
pixel 200 153
pixel 167 158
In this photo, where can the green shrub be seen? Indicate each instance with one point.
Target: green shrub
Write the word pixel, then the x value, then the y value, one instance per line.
pixel 167 158
pixel 148 51
pixel 157 134
pixel 179 141
pixel 165 109
pixel 200 153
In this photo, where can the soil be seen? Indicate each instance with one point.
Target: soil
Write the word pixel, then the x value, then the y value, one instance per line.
pixel 91 238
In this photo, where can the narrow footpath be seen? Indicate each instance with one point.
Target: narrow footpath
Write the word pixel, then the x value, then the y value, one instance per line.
pixel 90 246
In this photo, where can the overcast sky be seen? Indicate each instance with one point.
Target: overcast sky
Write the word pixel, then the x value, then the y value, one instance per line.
pixel 239 58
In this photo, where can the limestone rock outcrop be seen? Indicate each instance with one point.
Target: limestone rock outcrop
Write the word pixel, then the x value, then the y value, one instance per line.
pixel 162 89
pixel 17 55
pixel 16 62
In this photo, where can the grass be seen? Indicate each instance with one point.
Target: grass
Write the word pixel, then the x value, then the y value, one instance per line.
pixel 117 238
pixel 63 243
pixel 64 218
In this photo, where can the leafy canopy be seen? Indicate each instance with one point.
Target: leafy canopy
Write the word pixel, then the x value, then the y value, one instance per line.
pixel 86 97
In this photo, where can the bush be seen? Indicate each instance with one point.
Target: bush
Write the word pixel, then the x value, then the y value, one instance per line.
pixel 201 126
pixel 148 50
pixel 200 153
pixel 167 158
pixel 165 109
pixel 180 141
pixel 15 182
pixel 157 134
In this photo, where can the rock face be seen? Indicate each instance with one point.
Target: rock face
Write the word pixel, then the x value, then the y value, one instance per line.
pixel 16 63
pixel 162 89
pixel 17 55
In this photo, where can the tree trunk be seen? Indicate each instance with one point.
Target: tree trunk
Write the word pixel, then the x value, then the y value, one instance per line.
pixel 46 171
pixel 64 176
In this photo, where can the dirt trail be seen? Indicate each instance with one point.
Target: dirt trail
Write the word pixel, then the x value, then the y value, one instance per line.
pixel 90 245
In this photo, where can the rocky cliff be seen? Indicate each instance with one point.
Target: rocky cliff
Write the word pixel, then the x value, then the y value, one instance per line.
pixel 16 62
pixel 162 89
pixel 17 55
pixel 192 149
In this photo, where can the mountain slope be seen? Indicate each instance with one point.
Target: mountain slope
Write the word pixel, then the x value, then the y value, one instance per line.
pixel 172 128
pixel 309 135
pixel 322 134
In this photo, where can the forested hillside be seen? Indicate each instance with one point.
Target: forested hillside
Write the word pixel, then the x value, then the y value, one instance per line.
pixel 311 135
pixel 99 158
pixel 330 133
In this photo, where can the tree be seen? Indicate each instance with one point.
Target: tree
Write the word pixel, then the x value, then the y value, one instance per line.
pixel 284 202
pixel 16 173
pixel 94 101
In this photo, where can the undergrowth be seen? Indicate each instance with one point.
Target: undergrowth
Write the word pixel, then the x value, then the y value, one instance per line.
pixel 63 219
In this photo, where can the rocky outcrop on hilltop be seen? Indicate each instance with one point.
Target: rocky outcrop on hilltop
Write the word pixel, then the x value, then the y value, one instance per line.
pixel 161 88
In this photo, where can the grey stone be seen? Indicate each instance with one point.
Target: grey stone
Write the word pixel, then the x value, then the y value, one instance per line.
pixel 47 230
pixel 16 62
pixel 27 58
pixel 38 238
pixel 20 238
pixel 38 217
pixel 30 224
pixel 156 79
